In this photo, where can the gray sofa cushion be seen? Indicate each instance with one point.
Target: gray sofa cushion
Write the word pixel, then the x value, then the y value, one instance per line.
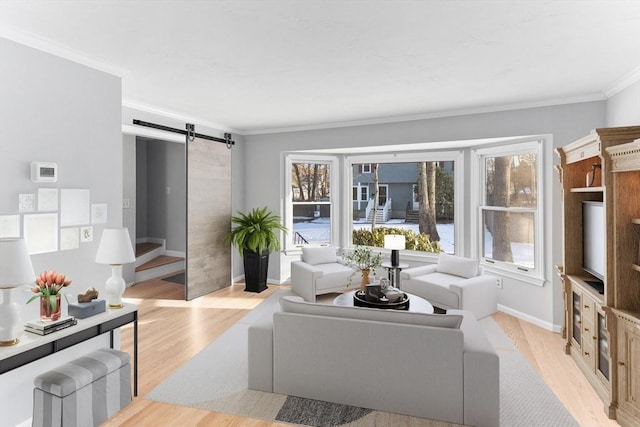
pixel 292 304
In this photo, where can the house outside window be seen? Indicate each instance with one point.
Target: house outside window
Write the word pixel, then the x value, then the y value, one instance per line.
pixel 510 223
pixel 398 206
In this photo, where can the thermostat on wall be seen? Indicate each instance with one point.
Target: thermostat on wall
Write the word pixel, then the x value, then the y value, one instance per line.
pixel 44 172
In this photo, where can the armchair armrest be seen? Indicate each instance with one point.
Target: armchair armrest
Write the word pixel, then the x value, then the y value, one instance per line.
pixel 410 273
pixel 303 279
pixel 478 294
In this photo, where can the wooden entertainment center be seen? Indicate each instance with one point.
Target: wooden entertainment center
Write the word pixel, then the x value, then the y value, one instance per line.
pixel 602 326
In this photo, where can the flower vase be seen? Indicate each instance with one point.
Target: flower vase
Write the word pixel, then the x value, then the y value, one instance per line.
pixel 50 308
pixel 365 281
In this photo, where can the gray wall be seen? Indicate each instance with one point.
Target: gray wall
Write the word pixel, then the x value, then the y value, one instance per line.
pixel 566 123
pixel 129 193
pixel 623 109
pixel 165 218
pixel 55 110
pixel 139 186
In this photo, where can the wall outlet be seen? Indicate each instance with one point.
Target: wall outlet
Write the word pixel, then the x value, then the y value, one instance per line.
pixel 126 203
pixel 499 282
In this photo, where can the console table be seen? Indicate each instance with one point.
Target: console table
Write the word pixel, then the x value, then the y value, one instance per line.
pixel 33 346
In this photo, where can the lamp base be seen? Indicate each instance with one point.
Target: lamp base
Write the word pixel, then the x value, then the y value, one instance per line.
pixel 395 257
pixel 10 323
pixel 114 287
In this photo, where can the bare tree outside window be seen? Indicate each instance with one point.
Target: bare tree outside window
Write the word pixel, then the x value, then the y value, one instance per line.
pixel 311 199
pixel 509 208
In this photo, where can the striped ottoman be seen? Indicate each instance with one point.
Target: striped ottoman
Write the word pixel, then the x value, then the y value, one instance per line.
pixel 83 392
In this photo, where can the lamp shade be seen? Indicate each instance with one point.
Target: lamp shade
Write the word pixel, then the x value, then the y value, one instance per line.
pixel 394 241
pixel 15 264
pixel 115 247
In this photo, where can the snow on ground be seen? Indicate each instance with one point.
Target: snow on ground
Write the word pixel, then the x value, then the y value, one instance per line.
pixel 318 231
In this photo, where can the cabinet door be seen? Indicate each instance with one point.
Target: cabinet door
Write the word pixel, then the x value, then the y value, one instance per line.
pixel 602 348
pixel 576 317
pixel 629 368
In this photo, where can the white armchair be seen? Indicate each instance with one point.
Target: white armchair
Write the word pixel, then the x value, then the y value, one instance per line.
pixel 321 271
pixel 453 283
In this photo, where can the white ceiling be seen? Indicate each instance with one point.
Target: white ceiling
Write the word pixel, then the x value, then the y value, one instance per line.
pixel 257 66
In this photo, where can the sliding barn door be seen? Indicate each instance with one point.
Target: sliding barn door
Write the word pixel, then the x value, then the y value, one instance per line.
pixel 208 217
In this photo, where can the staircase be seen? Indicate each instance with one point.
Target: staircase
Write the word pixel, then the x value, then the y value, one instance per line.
pixel 412 217
pixel 152 260
pixel 381 215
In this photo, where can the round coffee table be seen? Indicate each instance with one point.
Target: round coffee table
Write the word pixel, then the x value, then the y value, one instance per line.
pixel 416 304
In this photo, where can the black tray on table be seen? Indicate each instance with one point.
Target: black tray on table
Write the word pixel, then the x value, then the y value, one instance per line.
pixel 359 301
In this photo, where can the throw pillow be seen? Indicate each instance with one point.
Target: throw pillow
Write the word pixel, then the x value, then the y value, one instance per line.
pixel 319 255
pixel 458 266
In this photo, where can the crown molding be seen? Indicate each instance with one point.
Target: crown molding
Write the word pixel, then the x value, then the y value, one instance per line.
pixel 174 115
pixel 623 83
pixel 47 46
pixel 441 114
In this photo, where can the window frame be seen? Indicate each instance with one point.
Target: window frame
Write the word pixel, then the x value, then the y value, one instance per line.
pixel 334 203
pixel 535 275
pixel 456 156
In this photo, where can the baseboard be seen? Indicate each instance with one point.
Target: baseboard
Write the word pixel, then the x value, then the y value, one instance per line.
pixel 151 240
pixel 179 254
pixel 269 281
pixel 533 320
pixel 276 282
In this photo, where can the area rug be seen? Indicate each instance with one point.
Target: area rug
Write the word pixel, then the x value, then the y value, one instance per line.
pixel 176 278
pixel 216 380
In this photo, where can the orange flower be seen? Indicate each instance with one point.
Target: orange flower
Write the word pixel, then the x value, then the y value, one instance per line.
pixel 49 283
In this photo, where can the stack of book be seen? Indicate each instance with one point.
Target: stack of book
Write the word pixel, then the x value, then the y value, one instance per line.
pixel 43 328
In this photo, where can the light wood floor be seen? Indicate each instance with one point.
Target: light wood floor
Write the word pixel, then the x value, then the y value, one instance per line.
pixel 171 331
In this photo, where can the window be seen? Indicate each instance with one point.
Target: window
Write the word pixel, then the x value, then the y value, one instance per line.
pixel 510 221
pixel 310 207
pixel 365 168
pixel 360 194
pixel 399 186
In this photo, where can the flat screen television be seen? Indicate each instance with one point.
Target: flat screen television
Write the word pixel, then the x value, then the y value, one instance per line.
pixel 593 239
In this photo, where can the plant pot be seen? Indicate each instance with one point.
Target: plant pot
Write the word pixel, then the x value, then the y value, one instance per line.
pixel 365 281
pixel 255 270
pixel 50 308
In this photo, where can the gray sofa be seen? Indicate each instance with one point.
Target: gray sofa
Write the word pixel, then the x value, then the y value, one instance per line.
pixel 432 366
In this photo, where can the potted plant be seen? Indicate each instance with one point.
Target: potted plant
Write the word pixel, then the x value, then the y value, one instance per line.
pixel 364 260
pixel 254 234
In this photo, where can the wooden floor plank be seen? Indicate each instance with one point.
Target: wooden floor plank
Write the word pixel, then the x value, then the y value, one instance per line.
pixel 172 331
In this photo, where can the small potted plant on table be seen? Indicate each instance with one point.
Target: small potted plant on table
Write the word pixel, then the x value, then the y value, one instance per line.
pixel 364 260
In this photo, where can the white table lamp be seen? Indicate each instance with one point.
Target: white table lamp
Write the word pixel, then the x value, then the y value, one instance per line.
pixel 15 270
pixel 115 249
pixel 395 242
